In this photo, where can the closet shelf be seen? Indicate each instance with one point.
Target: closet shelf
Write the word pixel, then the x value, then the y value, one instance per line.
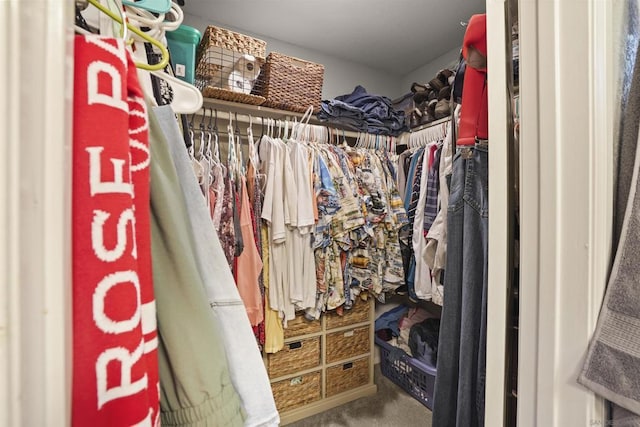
pixel 244 111
pixel 429 125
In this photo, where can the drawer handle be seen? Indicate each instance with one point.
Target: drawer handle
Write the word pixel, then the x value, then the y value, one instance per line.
pixel 348 334
pixel 347 366
pixel 296 381
pixel 295 345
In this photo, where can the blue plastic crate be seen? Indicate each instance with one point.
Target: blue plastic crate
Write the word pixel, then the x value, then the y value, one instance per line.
pixel 413 376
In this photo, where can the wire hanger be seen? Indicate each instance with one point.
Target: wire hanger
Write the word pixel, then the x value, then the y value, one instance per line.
pixel 119 19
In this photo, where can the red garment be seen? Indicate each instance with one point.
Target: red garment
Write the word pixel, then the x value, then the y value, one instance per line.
pixel 115 362
pixel 474 113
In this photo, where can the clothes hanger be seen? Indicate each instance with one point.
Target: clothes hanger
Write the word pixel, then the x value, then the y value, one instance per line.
pixel 231 151
pixel 252 145
pixel 120 19
pixel 213 131
pixel 157 25
pixel 286 130
pixel 238 143
pixel 187 99
pixel 82 27
pixel 191 138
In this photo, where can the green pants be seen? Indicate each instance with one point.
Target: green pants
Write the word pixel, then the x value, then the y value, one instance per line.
pixel 195 385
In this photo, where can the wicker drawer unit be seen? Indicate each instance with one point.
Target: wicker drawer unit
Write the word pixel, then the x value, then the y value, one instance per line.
pixel 347 344
pixel 323 363
pixel 298 391
pixel 301 326
pixel 347 376
pixel 295 357
pixel 358 314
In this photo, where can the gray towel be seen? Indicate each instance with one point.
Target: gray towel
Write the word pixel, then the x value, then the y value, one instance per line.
pixel 611 367
pixel 627 151
pixel 596 371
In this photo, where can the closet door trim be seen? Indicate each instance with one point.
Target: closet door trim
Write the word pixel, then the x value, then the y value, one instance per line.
pixel 500 214
pixel 35 195
pixel 566 192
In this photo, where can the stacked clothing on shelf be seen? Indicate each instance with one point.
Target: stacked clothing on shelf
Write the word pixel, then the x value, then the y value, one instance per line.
pixel 364 112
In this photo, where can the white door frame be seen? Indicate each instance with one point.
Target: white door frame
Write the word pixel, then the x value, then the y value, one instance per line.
pixel 566 143
pixel 566 173
pixel 35 195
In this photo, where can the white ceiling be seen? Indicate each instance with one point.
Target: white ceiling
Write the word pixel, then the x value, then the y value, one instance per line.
pixel 397 36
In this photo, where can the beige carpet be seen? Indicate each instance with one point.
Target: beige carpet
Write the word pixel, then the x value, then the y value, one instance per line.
pixel 390 407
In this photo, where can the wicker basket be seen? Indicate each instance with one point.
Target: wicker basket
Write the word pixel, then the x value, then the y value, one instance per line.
pixel 301 326
pixel 347 344
pixel 298 391
pixel 294 357
pixel 224 71
pixel 290 83
pixel 359 313
pixel 347 376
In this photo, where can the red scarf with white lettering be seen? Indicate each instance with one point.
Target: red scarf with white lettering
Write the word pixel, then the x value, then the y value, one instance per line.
pixel 115 361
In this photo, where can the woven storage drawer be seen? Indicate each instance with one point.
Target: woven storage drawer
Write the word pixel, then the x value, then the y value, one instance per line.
pixel 301 326
pixel 347 376
pixel 347 344
pixel 228 65
pixel 412 375
pixel 359 313
pixel 298 391
pixel 290 83
pixel 294 357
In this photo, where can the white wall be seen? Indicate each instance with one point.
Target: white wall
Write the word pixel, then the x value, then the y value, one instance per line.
pixel 428 71
pixel 340 75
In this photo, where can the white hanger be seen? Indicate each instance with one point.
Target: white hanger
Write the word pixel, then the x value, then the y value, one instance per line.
pixel 158 24
pixel 187 99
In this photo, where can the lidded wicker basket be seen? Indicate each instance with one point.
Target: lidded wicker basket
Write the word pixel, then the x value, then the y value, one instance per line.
pixel 290 83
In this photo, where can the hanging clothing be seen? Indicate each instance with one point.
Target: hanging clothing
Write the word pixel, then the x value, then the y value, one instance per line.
pixel 459 393
pixel 474 116
pixel 436 250
pixel 195 383
pixel 248 374
pixel 227 229
pixel 422 281
pixel 115 357
pixel 303 279
pixel 273 327
pixel 217 200
pixel 249 264
pixel 276 211
pixel 254 187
